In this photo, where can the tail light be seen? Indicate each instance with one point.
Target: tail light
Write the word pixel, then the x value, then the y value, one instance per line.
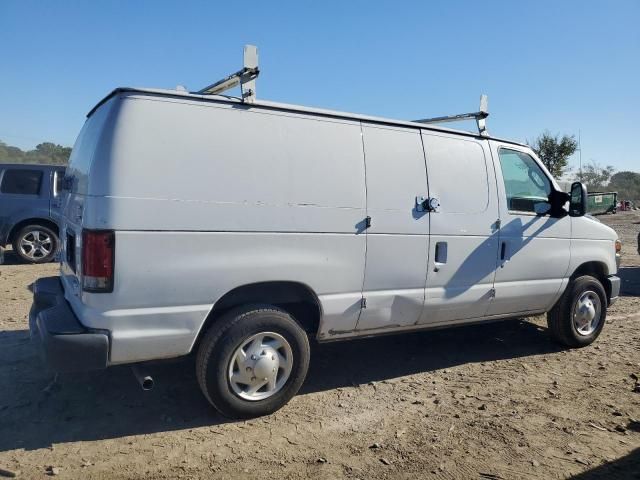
pixel 98 253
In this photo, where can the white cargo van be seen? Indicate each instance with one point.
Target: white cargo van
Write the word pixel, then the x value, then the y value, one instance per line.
pixel 235 229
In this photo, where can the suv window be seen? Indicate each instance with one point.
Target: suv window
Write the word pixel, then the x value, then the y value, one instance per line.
pixel 524 181
pixel 22 182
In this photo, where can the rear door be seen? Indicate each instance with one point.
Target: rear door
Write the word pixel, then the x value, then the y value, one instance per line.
pixel 464 228
pixel 534 248
pixel 397 240
pixel 73 198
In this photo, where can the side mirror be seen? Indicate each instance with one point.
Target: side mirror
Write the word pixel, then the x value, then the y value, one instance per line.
pixel 557 202
pixel 578 201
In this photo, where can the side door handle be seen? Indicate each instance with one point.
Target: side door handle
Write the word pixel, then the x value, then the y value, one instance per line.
pixel 440 255
pixel 503 253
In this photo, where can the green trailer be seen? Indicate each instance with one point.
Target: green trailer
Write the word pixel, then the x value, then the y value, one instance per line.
pixel 599 203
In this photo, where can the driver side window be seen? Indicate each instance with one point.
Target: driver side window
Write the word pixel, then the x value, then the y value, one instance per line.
pixel 524 181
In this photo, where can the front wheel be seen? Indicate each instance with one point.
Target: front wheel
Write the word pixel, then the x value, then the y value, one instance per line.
pixel 35 244
pixel 252 361
pixel 579 316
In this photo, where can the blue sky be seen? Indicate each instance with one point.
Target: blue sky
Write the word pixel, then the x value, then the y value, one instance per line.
pixel 564 66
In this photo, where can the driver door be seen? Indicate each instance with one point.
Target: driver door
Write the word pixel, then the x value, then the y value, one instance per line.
pixel 534 248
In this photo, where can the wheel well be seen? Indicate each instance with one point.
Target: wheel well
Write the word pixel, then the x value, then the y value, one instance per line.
pixel 32 221
pixel 295 298
pixel 597 270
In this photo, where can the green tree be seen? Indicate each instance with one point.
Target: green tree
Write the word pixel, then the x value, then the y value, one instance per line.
pixel 627 184
pixel 555 151
pixel 48 152
pixel 595 176
pixel 44 153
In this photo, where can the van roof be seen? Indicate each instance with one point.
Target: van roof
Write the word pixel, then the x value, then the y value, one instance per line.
pixel 287 107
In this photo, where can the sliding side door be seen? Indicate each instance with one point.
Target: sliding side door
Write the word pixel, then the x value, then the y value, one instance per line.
pixel 397 240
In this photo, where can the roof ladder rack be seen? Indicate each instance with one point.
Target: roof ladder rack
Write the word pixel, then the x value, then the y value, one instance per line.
pixel 246 78
pixel 479 116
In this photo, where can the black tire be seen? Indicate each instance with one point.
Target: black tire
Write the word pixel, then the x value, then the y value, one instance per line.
pixel 561 318
pixel 35 256
pixel 223 339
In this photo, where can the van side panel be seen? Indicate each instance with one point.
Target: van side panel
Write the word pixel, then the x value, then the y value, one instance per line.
pixel 164 295
pixel 397 241
pixel 205 198
pixel 213 167
pixel 464 233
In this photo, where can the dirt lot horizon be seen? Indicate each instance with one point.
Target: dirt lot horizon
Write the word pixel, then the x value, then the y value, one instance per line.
pixel 494 401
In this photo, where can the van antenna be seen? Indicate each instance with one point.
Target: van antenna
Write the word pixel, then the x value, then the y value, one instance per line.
pixel 480 117
pixel 246 78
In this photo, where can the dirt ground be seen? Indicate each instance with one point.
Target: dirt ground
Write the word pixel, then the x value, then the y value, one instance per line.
pixel 497 401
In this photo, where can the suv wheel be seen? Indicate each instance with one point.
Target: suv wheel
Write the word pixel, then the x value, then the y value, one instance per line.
pixel 252 361
pixel 35 244
pixel 579 316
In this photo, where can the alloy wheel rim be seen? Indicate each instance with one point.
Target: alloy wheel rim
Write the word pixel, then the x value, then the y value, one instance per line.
pixel 587 313
pixel 260 366
pixel 36 244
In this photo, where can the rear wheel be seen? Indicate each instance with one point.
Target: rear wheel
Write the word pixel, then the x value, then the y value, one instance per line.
pixel 35 244
pixel 252 361
pixel 579 316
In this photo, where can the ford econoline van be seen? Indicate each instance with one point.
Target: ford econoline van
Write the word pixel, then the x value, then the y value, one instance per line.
pixel 236 231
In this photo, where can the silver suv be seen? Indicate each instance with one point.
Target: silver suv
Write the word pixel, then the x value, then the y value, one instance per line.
pixel 29 202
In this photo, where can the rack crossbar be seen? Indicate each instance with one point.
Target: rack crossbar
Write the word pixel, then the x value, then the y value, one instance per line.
pixel 479 116
pixel 246 78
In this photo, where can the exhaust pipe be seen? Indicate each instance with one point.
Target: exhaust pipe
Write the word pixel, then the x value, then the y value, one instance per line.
pixel 145 381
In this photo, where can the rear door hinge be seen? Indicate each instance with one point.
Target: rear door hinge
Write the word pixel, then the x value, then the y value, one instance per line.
pixel 363 302
pixel 492 293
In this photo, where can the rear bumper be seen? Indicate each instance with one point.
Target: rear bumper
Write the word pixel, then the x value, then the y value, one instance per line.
pixel 65 344
pixel 614 288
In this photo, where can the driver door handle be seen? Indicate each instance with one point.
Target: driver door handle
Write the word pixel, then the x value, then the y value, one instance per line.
pixel 503 253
